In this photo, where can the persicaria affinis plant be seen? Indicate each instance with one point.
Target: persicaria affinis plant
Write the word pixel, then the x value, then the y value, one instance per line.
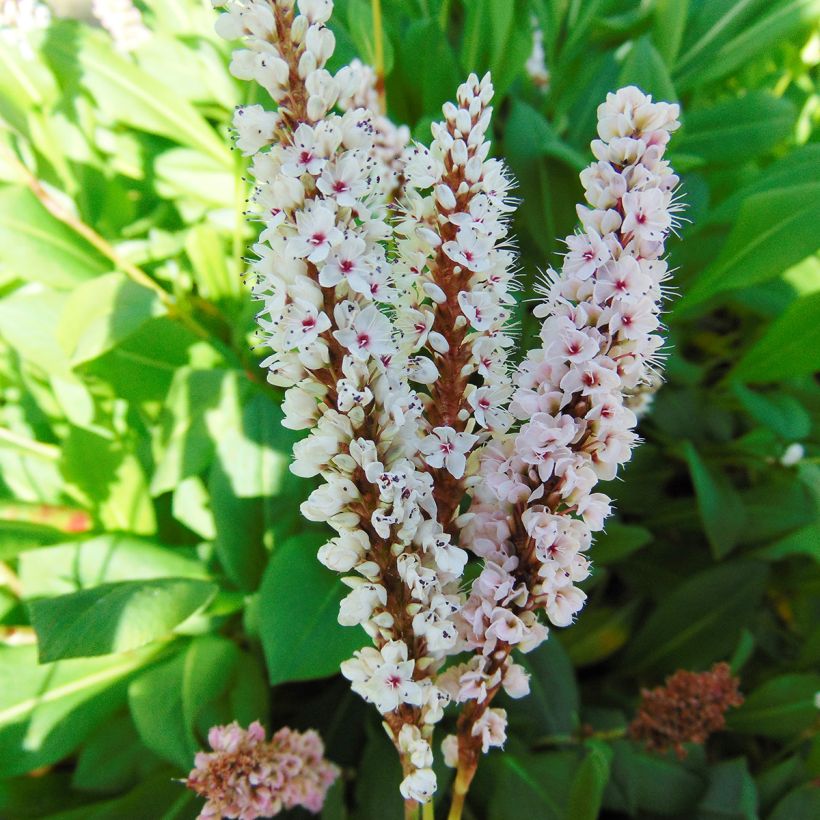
pixel 385 274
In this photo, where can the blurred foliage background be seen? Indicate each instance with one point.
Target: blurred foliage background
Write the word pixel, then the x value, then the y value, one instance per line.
pixel 151 552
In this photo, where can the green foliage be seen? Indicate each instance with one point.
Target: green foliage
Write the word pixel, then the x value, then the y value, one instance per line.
pixel 151 545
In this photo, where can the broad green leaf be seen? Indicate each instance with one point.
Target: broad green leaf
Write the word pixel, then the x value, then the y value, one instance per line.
pixel 780 708
pixel 731 793
pixel 130 95
pixel 805 541
pixel 719 503
pixel 206 250
pixel 536 785
pixel 553 705
pixel 106 473
pixel 102 313
pixel 723 56
pixel 700 621
pixel 668 24
pixel 774 230
pixel 587 792
pixel 240 530
pixel 185 173
pixel 737 130
pixel 801 804
pixel 46 711
pixel 789 347
pixel 184 444
pixel 362 30
pixel 778 411
pixel 642 784
pixel 496 38
pixel 64 568
pixel 379 771
pixel 599 633
pixel 645 68
pixel 40 248
pixel 110 759
pixel 791 171
pixel 619 541
pixel 166 701
pixel 299 604
pixel 114 617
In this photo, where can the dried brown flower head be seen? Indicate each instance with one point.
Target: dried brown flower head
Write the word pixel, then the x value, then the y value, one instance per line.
pixel 688 708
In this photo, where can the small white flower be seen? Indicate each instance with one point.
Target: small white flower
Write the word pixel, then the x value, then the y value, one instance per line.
pixel 369 335
pixel 444 447
pixel 317 234
pixel 419 785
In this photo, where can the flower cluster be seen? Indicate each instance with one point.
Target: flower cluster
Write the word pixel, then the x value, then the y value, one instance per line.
pixel 247 777
pixel 325 283
pixel 123 21
pixel 455 257
pixel 385 275
pixel 535 508
pixel 688 708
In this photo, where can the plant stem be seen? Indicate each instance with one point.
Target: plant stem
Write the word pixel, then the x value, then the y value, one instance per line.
pixel 37 448
pixel 411 810
pixel 427 811
pixel 378 52
pixel 464 777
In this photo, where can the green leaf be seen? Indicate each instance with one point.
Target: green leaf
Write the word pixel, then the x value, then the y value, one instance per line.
pixel 39 248
pixel 738 130
pixel 102 313
pixel 774 231
pixel 778 411
pixel 599 633
pixel 114 617
pixel 619 541
pixel 496 40
pixel 299 604
pixel 553 705
pixel 46 711
pixel 731 793
pixel 789 347
pixel 206 250
pixel 185 173
pixel 801 804
pixel 108 558
pixel 805 541
pixel 107 473
pixel 704 64
pixel 719 503
pixel 668 25
pixel 361 28
pixel 645 68
pixel 587 792
pixel 536 785
pixel 167 701
pixel 700 621
pixel 780 708
pixel 127 93
pixel 644 785
pixel 110 759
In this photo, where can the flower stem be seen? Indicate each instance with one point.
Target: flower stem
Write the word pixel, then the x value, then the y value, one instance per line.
pixel 464 777
pixel 378 52
pixel 411 810
pixel 427 811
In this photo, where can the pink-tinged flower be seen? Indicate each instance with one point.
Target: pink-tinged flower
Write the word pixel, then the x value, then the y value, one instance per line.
pixel 369 335
pixel 587 252
pixel 347 260
pixel 634 318
pixel 304 156
pixel 489 407
pixel 247 777
pixel 480 307
pixel 343 181
pixel 470 250
pixel 303 323
pixel 647 214
pixel 444 447
pixel 317 234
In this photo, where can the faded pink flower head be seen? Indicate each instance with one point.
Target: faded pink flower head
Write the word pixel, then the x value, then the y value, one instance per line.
pixel 247 777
